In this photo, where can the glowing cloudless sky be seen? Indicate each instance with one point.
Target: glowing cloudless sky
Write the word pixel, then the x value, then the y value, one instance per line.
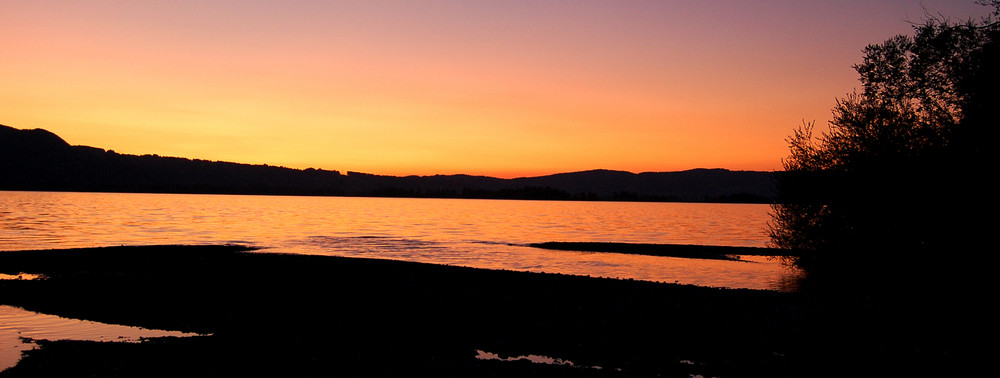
pixel 498 88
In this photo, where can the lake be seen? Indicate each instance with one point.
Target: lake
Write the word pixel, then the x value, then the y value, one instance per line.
pixel 491 234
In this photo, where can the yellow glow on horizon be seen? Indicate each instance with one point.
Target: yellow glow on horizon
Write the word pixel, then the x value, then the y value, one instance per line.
pixel 512 89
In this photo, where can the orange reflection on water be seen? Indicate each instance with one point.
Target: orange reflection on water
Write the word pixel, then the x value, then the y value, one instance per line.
pixel 490 234
pixel 19 327
pixel 20 277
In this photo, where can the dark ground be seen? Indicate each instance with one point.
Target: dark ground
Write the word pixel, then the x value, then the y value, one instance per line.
pixel 291 315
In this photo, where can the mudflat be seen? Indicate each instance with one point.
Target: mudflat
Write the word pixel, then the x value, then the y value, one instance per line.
pixel 272 314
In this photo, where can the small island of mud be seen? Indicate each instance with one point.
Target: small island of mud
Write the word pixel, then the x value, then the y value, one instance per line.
pixel 665 250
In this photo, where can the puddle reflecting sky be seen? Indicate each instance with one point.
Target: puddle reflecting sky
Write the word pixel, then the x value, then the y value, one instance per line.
pixel 17 323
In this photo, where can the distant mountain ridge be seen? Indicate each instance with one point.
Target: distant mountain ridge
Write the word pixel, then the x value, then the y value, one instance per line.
pixel 40 160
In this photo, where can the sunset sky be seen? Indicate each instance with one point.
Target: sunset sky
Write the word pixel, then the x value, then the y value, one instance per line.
pixel 498 88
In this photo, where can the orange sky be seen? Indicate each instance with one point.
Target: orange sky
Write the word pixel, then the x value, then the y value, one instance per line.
pixel 505 88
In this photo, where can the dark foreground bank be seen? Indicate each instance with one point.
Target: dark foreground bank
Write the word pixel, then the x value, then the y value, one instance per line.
pixel 292 315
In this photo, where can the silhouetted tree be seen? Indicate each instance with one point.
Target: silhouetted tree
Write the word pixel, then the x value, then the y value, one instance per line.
pixel 903 165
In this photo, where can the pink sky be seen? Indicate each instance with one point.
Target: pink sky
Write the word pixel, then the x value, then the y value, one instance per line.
pixel 499 88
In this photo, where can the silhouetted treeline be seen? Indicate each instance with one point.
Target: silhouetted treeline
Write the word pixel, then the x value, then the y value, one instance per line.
pixel 905 162
pixel 40 160
pixel 885 202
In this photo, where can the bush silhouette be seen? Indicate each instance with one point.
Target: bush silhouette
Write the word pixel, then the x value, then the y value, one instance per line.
pixel 904 162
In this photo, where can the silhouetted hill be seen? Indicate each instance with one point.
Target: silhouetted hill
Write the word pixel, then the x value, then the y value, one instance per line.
pixel 712 185
pixel 40 160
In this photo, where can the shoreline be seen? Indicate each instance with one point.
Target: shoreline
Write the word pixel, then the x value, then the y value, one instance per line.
pixel 667 250
pixel 302 315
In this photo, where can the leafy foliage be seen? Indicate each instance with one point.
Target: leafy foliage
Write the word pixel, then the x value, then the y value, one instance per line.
pixel 904 160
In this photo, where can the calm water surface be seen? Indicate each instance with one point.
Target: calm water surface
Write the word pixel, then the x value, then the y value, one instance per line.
pixel 476 233
pixel 18 326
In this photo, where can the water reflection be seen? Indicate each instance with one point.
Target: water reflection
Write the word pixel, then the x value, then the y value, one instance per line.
pixel 476 233
pixel 533 358
pixel 20 277
pixel 18 327
pixel 748 272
